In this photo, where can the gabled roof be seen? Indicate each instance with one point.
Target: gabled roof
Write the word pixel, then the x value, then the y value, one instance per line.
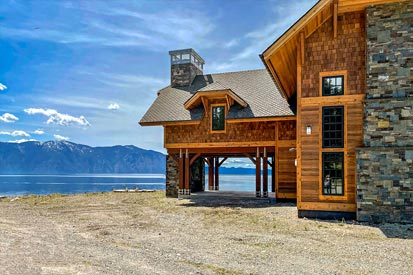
pixel 254 87
pixel 280 58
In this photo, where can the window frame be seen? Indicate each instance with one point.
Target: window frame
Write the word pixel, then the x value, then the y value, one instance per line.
pixel 343 87
pixel 342 126
pixel 342 73
pixel 212 106
pixel 343 187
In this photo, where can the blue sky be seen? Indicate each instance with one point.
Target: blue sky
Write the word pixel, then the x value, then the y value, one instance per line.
pixel 87 71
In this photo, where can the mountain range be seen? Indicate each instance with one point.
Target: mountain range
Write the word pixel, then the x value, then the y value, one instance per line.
pixel 63 157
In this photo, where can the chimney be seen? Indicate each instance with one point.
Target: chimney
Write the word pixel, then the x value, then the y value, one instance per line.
pixel 185 65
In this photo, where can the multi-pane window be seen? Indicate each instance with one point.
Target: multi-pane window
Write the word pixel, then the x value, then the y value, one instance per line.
pixel 333 85
pixel 218 118
pixel 333 173
pixel 333 127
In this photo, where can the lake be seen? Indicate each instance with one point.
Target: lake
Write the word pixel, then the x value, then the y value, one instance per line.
pixel 18 185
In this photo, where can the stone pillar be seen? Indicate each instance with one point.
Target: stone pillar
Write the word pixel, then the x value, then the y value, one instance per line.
pixel 385 163
pixel 198 175
pixel 172 177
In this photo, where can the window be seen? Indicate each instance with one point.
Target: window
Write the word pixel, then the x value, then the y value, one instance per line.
pixel 333 174
pixel 333 85
pixel 218 118
pixel 333 127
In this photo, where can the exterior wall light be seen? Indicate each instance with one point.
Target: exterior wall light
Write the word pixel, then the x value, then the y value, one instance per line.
pixel 308 129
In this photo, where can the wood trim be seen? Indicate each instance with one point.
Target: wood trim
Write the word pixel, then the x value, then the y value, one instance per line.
pixel 222 161
pixel 282 195
pixel 332 73
pixel 298 128
pixel 302 49
pixel 360 5
pixel 225 118
pixel 250 157
pixel 324 206
pixel 332 100
pixel 295 28
pixel 219 144
pixel 205 104
pixel 260 119
pixel 197 155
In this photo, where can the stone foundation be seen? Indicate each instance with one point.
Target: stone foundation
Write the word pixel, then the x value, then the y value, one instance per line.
pixel 385 185
pixel 172 177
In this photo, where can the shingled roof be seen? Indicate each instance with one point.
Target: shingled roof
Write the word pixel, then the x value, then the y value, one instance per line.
pixel 255 87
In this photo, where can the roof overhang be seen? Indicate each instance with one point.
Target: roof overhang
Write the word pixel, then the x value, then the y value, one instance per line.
pixel 200 97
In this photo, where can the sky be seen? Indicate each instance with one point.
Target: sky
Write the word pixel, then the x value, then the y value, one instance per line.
pixel 87 71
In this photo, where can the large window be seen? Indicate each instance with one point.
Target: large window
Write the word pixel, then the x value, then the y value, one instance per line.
pixel 218 118
pixel 333 174
pixel 333 85
pixel 333 127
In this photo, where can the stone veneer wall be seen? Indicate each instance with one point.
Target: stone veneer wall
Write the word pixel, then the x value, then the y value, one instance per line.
pixel 172 177
pixel 385 163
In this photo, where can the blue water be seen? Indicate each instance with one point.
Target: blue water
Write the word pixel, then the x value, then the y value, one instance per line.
pixel 19 185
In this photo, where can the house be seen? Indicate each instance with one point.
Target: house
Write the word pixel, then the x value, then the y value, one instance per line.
pixel 332 114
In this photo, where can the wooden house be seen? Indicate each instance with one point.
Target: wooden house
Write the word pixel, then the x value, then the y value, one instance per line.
pixel 332 113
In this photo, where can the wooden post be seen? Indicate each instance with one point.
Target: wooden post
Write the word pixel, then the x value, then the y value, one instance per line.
pixel 181 173
pixel 258 174
pixel 210 173
pixel 273 175
pixel 187 190
pixel 216 173
pixel 265 174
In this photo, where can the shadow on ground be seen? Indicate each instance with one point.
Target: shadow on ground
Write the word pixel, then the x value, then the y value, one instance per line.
pixel 248 200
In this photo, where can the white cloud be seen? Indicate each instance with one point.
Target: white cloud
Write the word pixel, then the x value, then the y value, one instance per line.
pixel 59 137
pixel 16 133
pixel 21 140
pixel 113 106
pixel 3 87
pixel 38 132
pixel 8 118
pixel 57 118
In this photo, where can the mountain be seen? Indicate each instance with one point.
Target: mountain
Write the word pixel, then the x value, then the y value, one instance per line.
pixel 63 157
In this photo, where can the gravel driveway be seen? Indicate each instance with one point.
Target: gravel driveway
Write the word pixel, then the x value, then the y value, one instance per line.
pixel 146 233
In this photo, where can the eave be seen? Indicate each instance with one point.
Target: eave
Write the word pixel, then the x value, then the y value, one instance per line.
pixel 201 98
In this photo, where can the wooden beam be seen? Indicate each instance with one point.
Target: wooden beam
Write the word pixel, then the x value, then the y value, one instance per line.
pixel 181 172
pixel 187 174
pixel 205 103
pixel 302 49
pixel 335 12
pixel 250 157
pixel 222 161
pixel 216 185
pixel 197 155
pixel 265 174
pixel 223 151
pixel 258 174
pixel 220 144
pixel 333 100
pixel 211 174
pixel 206 160
pixel 170 123
pixel 273 175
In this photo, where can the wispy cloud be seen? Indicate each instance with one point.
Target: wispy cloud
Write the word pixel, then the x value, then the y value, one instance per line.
pixel 3 87
pixel 21 140
pixel 59 137
pixel 16 133
pixel 8 118
pixel 57 118
pixel 38 132
pixel 113 106
pixel 117 24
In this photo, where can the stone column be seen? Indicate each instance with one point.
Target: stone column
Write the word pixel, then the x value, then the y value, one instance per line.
pixel 172 177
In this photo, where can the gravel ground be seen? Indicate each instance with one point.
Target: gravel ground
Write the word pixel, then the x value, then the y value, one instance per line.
pixel 146 233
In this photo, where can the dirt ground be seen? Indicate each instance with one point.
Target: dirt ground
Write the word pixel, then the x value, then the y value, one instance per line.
pixel 146 233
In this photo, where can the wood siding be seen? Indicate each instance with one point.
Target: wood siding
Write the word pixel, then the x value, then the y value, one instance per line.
pixel 323 54
pixel 346 52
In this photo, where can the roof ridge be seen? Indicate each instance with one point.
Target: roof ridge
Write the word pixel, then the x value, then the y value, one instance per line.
pixel 234 72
